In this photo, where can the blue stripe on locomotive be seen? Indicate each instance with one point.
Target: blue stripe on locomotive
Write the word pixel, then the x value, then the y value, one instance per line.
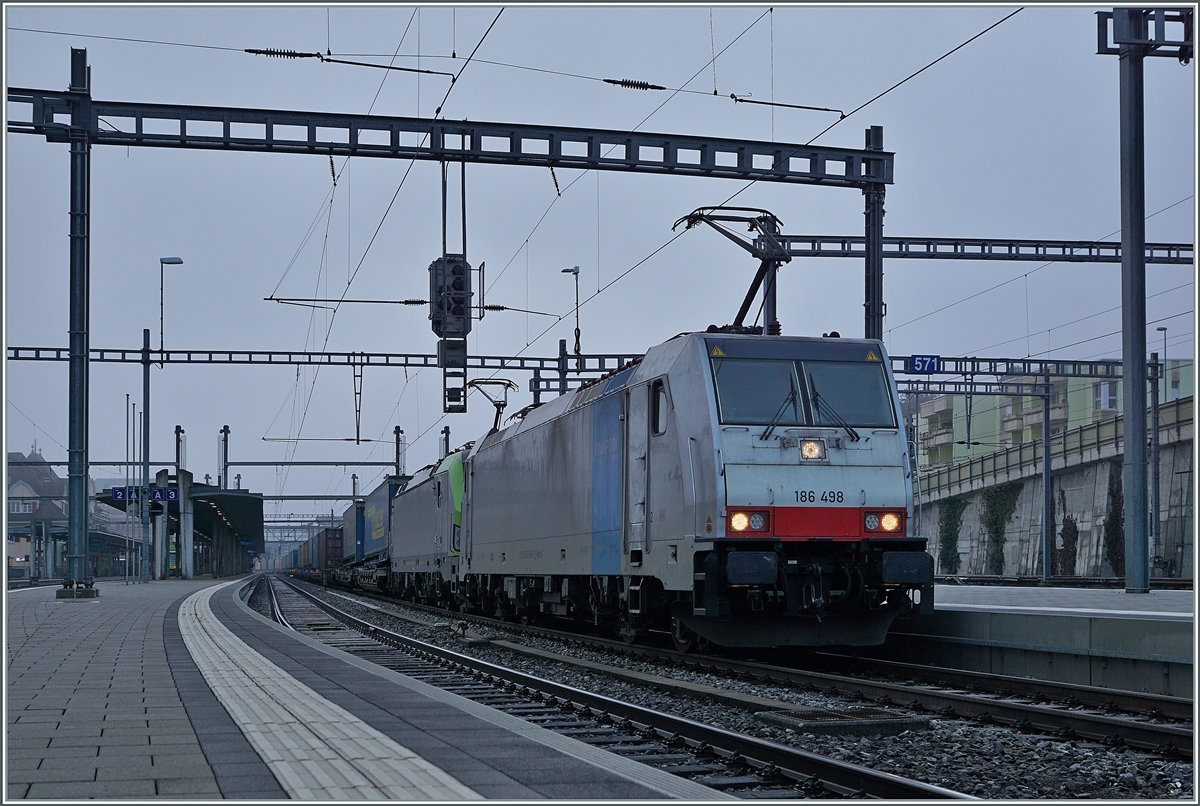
pixel 607 450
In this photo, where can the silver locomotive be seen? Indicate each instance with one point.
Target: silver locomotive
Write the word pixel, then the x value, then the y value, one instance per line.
pixel 738 490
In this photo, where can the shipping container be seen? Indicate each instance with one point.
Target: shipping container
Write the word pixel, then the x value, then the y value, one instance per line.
pixel 327 548
pixel 352 533
pixel 377 519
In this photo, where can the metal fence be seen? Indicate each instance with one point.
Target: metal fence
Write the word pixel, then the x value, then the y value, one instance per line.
pixel 1086 443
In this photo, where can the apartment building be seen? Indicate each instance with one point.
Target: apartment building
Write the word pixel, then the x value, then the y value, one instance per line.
pixel 953 428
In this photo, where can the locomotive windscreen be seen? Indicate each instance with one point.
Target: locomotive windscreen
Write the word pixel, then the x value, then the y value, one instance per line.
pixel 753 391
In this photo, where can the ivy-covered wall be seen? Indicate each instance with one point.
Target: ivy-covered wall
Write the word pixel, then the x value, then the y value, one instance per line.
pixel 999 529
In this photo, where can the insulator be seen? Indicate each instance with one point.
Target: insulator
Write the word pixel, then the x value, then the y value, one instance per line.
pixel 632 84
pixel 281 54
pixel 414 302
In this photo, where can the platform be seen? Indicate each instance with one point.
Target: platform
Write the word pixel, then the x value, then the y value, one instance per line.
pixel 1138 642
pixel 178 690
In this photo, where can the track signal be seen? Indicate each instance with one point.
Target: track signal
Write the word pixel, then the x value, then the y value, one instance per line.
pixel 450 296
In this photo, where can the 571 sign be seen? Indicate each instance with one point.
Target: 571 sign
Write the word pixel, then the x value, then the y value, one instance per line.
pixel 924 364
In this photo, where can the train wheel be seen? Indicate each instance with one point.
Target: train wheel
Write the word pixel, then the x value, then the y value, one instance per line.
pixel 527 616
pixel 629 632
pixel 683 638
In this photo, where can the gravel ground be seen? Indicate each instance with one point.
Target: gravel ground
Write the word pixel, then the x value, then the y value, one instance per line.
pixel 258 601
pixel 985 761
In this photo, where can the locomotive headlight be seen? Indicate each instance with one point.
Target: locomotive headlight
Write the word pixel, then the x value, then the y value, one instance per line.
pixel 757 521
pixel 890 522
pixel 871 522
pixel 739 521
pixel 812 449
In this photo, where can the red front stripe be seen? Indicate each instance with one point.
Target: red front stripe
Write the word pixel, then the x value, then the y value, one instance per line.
pixel 835 522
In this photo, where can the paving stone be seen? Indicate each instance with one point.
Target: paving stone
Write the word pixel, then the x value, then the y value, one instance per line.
pixel 31 717
pixel 101 741
pixel 97 762
pixel 160 739
pixel 94 789
pixel 73 772
pixel 23 763
pixel 181 766
pixel 121 730
pixel 188 787
pixel 40 730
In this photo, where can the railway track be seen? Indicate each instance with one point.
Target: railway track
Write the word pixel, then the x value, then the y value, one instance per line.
pixel 1147 722
pixel 743 766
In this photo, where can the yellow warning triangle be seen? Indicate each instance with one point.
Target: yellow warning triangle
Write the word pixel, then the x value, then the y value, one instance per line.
pixel 717 352
pixel 871 356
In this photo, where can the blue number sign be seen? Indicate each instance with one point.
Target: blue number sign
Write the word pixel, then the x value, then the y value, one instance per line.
pixel 925 364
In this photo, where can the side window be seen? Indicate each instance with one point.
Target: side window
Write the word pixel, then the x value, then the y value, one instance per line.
pixel 658 408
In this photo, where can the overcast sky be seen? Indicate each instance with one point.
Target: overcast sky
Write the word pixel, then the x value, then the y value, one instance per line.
pixel 1013 136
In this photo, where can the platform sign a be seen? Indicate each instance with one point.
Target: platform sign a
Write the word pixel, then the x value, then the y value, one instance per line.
pixel 126 494
pixel 924 364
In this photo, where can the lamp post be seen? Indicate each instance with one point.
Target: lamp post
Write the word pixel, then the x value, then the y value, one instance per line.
pixel 163 262
pixel 1156 560
pixel 575 271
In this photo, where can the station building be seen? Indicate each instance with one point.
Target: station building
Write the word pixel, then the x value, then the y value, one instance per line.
pixel 225 526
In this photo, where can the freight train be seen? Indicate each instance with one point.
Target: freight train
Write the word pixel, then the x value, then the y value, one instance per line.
pixel 729 489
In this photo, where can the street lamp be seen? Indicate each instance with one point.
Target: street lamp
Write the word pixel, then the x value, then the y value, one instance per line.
pixel 162 263
pixel 1156 559
pixel 575 270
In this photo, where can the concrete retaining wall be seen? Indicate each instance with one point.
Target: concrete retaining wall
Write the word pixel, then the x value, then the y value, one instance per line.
pixel 1086 491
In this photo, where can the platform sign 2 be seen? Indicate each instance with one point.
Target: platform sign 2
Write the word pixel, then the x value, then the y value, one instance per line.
pixel 126 494
pixel 924 364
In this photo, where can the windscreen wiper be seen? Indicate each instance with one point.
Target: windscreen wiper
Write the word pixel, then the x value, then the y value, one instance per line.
pixel 791 396
pixel 837 418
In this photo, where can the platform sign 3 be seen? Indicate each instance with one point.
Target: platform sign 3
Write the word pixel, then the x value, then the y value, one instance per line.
pixel 924 364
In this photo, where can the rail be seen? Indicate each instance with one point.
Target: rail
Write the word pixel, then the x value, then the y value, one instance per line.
pixel 849 777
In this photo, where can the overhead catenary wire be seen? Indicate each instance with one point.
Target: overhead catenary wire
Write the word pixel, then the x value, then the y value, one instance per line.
pixel 641 123
pixel 316 302
pixel 977 351
pixel 283 473
pixel 437 112
pixel 635 84
pixel 1024 274
pixel 35 425
pixel 752 181
pixel 291 54
pixel 755 180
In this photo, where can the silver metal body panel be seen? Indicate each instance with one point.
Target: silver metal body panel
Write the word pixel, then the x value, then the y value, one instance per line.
pixel 875 468
pixel 422 520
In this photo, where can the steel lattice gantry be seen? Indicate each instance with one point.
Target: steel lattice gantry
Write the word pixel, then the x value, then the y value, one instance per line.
pixel 242 129
pixel 981 249
pixel 74 117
